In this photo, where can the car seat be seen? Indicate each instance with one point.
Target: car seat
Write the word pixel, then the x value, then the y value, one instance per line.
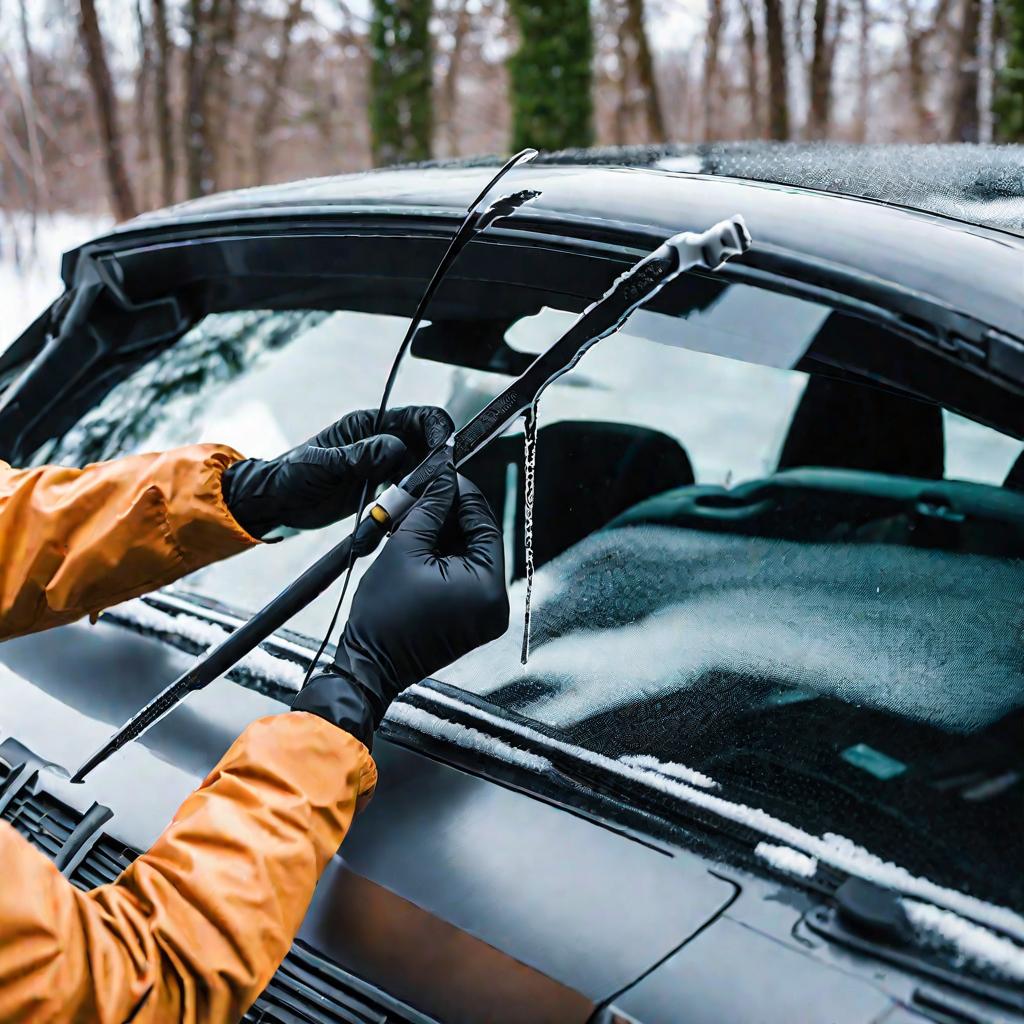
pixel 587 473
pixel 850 426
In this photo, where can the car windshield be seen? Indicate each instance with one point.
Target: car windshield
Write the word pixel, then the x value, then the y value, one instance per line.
pixel 793 583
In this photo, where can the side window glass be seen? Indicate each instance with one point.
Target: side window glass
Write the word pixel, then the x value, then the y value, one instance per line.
pixel 979 453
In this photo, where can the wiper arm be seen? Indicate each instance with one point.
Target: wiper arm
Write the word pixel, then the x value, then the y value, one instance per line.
pixel 682 252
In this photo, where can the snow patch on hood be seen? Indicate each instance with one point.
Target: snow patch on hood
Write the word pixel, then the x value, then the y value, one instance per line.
pixel 669 768
pixel 971 943
pixel 836 850
pixel 465 737
pixel 830 848
pixel 788 860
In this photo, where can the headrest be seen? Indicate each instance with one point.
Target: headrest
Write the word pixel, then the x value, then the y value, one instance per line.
pixel 850 426
pixel 587 473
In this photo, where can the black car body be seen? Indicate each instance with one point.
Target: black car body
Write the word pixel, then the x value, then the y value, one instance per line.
pixel 521 865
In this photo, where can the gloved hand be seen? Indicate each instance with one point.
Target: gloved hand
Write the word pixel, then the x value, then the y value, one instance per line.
pixel 435 592
pixel 320 481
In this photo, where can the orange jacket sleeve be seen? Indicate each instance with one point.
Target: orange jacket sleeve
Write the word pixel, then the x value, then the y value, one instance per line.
pixel 195 928
pixel 75 541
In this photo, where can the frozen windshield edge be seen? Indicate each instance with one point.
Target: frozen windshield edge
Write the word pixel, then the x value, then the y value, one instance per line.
pixel 768 578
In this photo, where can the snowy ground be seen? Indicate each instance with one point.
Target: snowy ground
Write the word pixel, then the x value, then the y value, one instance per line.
pixel 30 271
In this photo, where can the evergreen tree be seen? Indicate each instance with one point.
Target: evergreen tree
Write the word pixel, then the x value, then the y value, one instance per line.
pixel 401 81
pixel 1009 103
pixel 552 106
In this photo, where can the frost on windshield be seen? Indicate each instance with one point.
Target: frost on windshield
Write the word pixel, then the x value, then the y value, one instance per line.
pixel 630 614
pixel 158 404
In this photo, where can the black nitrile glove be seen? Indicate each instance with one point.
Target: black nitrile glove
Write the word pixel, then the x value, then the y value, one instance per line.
pixel 435 592
pixel 320 481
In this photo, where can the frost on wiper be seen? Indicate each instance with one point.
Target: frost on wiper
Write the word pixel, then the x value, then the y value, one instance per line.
pixel 529 486
pixel 156 407
pixel 197 634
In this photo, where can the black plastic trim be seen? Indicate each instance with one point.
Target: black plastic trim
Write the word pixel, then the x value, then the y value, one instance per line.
pixel 77 846
pixel 824 921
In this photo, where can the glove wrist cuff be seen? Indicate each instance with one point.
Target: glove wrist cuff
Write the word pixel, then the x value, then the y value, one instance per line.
pixel 239 483
pixel 339 699
pixel 365 673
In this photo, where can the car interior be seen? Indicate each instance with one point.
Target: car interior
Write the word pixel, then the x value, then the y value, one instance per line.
pixel 859 465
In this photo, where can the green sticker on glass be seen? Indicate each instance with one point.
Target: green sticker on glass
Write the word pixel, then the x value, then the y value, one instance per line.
pixel 874 762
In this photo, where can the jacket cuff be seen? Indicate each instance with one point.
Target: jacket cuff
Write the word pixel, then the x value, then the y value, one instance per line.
pixel 201 525
pixel 340 700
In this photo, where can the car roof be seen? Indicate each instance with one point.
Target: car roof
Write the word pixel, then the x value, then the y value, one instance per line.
pixel 968 269
pixel 975 184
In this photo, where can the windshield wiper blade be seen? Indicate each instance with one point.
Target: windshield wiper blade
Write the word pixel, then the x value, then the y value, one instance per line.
pixel 708 249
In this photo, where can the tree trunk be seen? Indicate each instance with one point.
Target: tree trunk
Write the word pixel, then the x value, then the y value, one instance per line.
pixel 778 87
pixel 194 129
pixel 986 71
pixel 820 75
pixel 211 29
pixel 752 69
pixel 614 26
pixel 122 201
pixel 266 117
pixel 712 43
pixel 142 123
pixel 918 83
pixel 217 90
pixel 37 177
pixel 964 126
pixel 863 72
pixel 918 38
pixel 162 100
pixel 450 90
pixel 635 32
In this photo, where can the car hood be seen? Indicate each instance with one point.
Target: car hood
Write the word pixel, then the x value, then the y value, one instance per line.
pixel 498 883
pixel 461 897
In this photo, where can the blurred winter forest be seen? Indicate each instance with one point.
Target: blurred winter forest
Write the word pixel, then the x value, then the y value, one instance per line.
pixel 126 105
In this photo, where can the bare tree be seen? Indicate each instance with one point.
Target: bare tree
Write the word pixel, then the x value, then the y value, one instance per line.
pixel 458 24
pixel 862 113
pixel 778 78
pixel 195 126
pixel 36 179
pixel 211 26
pixel 266 117
pixel 638 51
pixel 217 98
pixel 142 121
pixel 752 67
pixel 965 122
pixel 162 100
pixel 828 23
pixel 919 31
pixel 712 87
pixel 122 201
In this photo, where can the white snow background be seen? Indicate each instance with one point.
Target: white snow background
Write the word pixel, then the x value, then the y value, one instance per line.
pixel 29 284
